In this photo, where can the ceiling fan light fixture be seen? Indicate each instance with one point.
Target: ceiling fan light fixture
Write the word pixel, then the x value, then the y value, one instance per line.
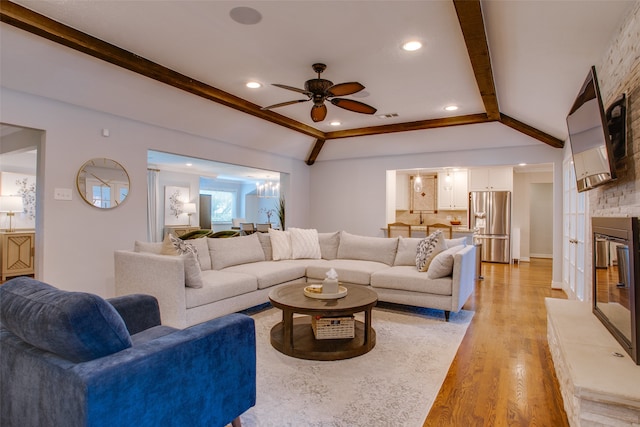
pixel 412 46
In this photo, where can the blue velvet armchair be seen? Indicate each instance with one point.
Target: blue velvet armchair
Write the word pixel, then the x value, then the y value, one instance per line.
pixel 75 359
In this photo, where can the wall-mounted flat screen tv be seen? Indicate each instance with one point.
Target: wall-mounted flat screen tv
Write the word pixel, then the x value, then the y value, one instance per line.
pixel 589 137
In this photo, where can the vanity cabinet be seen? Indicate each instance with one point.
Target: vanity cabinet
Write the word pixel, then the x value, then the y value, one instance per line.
pixel 491 179
pixel 452 190
pixel 402 192
pixel 17 253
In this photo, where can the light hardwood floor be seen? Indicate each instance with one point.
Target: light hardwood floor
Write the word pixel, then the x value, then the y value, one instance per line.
pixel 503 373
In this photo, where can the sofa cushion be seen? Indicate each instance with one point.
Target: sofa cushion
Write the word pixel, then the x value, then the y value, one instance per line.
pixel 149 247
pixel 408 278
pixel 428 248
pixel 450 243
pixel 407 249
pixel 74 325
pixel 378 249
pixel 235 250
pixel 442 264
pixel 202 251
pixel 219 285
pixel 265 242
pixel 349 271
pixel 329 243
pixel 269 273
pixel 280 244
pixel 304 243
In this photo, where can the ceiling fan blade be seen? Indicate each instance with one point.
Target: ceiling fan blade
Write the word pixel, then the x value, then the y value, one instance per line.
pixel 295 89
pixel 318 113
pixel 282 104
pixel 343 89
pixel 351 105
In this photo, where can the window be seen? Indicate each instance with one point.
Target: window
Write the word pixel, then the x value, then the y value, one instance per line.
pixel 223 205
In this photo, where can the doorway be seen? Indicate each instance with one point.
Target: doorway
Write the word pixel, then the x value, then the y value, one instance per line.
pixel 20 150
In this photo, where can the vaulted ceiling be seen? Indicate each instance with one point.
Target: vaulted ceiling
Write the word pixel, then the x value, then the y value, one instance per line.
pixel 512 64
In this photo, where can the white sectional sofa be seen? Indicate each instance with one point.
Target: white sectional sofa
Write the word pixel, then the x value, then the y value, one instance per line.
pixel 237 273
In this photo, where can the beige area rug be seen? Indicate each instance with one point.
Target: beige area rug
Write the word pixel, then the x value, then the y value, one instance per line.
pixel 394 384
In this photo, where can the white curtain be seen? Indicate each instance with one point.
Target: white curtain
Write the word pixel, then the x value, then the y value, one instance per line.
pixel 154 234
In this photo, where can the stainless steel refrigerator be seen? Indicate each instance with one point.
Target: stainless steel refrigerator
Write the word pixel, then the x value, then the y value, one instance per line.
pixel 490 217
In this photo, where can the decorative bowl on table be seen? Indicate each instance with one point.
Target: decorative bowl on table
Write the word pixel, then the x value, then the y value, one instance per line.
pixel 455 222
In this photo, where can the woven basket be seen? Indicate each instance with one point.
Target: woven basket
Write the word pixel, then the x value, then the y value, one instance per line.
pixel 333 327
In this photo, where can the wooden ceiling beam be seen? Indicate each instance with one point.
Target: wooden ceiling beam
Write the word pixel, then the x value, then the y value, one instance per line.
pixel 409 126
pixel 33 22
pixel 315 151
pixel 531 131
pixel 472 26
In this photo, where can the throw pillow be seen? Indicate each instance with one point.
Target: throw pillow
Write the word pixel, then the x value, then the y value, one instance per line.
pixel 192 272
pixel 442 264
pixel 428 248
pixel 329 243
pixel 181 246
pixel 280 244
pixel 189 253
pixel 304 243
pixel 168 247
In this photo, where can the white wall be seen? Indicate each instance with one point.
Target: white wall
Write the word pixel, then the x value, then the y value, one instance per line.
pixel 350 194
pixel 75 242
pixel 541 213
pixel 523 198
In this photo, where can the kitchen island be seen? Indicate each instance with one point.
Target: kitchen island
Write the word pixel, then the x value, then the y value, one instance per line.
pixel 457 232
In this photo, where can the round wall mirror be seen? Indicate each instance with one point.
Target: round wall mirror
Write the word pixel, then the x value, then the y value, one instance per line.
pixel 103 183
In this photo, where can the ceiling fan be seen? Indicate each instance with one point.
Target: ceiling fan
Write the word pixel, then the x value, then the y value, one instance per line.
pixel 320 90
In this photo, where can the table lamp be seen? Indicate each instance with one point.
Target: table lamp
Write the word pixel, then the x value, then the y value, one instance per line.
pixel 11 205
pixel 189 209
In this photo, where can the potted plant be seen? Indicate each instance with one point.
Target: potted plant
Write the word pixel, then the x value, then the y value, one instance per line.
pixel 280 211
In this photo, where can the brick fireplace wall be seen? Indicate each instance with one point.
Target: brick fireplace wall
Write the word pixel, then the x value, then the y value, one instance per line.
pixel 619 72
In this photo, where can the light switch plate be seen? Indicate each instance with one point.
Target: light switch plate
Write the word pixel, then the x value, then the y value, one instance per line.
pixel 62 194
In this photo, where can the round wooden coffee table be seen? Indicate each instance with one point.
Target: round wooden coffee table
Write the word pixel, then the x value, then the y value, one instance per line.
pixel 294 337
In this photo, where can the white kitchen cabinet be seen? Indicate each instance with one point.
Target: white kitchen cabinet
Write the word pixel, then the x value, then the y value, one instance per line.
pixel 402 192
pixel 491 179
pixel 452 190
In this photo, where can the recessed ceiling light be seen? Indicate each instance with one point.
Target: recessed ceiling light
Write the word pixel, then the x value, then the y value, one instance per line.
pixel 189 164
pixel 245 15
pixel 412 45
pixel 522 164
pixel 253 85
pixel 335 123
pixel 451 107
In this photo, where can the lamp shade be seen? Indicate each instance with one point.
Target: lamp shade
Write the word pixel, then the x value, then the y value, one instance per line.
pixel 189 208
pixel 11 204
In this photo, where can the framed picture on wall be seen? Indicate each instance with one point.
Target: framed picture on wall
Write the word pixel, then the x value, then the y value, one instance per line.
pixel 174 197
pixel 17 184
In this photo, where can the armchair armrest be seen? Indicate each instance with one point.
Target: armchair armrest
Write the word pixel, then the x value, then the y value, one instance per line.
pixel 139 312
